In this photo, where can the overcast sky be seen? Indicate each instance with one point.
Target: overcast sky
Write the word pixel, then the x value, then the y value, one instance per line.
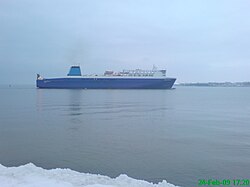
pixel 195 40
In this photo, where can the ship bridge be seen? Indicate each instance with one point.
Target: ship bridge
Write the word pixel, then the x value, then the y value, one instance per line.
pixel 144 73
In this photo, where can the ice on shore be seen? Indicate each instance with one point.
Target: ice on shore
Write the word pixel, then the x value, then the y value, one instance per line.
pixel 30 175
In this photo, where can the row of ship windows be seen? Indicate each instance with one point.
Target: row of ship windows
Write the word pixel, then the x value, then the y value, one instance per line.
pixel 138 75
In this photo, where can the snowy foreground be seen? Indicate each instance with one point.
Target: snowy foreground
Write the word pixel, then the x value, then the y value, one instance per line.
pixel 31 176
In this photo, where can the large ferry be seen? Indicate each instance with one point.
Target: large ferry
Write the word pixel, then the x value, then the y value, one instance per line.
pixel 126 79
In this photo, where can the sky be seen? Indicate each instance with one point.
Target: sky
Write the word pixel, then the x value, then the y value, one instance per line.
pixel 195 40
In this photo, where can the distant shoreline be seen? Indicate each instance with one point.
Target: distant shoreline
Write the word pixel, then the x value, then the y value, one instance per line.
pixel 216 84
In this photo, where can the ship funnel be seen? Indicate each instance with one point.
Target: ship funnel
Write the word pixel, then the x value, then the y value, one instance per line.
pixel 75 71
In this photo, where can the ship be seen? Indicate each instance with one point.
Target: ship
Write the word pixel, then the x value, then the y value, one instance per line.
pixel 126 79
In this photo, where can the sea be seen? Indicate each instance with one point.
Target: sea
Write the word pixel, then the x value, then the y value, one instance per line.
pixel 182 135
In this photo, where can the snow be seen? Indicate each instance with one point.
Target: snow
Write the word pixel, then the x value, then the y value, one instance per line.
pixel 30 175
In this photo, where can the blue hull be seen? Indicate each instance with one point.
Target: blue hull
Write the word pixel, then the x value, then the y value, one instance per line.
pixel 107 83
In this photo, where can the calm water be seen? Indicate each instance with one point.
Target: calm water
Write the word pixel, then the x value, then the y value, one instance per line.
pixel 180 135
